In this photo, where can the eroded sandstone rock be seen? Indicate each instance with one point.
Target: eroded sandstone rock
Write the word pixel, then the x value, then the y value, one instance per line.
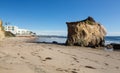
pixel 2 32
pixel 85 33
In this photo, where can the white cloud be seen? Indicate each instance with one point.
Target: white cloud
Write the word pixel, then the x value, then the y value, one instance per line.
pixel 113 34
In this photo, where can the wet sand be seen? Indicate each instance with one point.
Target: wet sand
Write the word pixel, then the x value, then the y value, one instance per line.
pixel 18 55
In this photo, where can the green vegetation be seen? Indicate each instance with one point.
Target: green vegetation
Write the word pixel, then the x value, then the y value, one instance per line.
pixel 89 22
pixel 9 34
pixel 81 42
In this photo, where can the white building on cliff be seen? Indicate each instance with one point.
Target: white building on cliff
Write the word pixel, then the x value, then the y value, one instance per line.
pixel 19 32
pixel 12 29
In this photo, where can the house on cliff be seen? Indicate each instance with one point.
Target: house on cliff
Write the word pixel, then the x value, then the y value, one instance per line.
pixel 17 31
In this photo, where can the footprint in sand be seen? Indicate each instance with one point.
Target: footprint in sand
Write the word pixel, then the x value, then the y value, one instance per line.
pixel 47 58
pixel 36 68
pixel 1 67
pixel 60 69
pixel 18 53
pixel 22 57
pixel 68 70
pixel 117 67
pixel 50 48
pixel 106 64
pixel 90 67
pixel 75 59
pixel 34 53
pixel 107 55
pixel 2 54
pixel 73 72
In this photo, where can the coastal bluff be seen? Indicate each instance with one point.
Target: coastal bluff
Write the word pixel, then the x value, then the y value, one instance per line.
pixel 86 33
pixel 2 32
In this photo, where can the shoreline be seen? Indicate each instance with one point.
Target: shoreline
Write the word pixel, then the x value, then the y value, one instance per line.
pixel 18 55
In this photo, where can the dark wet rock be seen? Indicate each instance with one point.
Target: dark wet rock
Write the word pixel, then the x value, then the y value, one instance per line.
pixel 109 46
pixel 55 42
pixel 115 46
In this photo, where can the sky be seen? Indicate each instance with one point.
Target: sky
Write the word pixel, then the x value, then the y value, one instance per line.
pixel 49 17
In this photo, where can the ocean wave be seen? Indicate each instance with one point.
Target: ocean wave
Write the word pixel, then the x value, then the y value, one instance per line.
pixel 108 40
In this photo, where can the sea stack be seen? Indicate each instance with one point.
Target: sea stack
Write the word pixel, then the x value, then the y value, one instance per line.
pixel 2 32
pixel 86 33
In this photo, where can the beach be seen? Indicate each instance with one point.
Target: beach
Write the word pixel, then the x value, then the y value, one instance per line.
pixel 20 55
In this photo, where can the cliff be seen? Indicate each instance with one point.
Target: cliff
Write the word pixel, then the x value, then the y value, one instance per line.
pixel 85 33
pixel 2 32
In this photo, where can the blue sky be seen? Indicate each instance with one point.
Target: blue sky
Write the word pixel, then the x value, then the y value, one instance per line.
pixel 50 16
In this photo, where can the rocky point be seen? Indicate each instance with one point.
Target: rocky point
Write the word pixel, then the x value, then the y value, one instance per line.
pixel 86 33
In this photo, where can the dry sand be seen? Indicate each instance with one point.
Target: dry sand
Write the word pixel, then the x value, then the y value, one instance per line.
pixel 19 56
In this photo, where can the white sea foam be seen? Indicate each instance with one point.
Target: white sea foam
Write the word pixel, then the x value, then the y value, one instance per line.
pixel 108 42
pixel 51 39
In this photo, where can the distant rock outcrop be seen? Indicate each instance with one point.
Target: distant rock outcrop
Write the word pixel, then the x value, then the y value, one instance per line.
pixel 2 32
pixel 85 33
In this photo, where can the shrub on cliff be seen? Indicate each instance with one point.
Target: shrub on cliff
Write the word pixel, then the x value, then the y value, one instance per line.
pixel 9 34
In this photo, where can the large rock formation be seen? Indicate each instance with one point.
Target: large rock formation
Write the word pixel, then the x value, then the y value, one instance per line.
pixel 2 32
pixel 85 33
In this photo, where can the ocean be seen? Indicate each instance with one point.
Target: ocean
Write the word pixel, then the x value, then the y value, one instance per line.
pixel 62 39
pixel 50 39
pixel 112 39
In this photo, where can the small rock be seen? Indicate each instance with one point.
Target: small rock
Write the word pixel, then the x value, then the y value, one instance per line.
pixel 55 42
pixel 109 46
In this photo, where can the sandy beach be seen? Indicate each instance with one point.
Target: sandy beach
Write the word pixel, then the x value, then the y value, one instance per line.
pixel 18 55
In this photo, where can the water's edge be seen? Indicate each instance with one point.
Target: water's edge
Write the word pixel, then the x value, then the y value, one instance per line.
pixel 62 39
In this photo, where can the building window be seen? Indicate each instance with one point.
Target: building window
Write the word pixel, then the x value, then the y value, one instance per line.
pixel 13 28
